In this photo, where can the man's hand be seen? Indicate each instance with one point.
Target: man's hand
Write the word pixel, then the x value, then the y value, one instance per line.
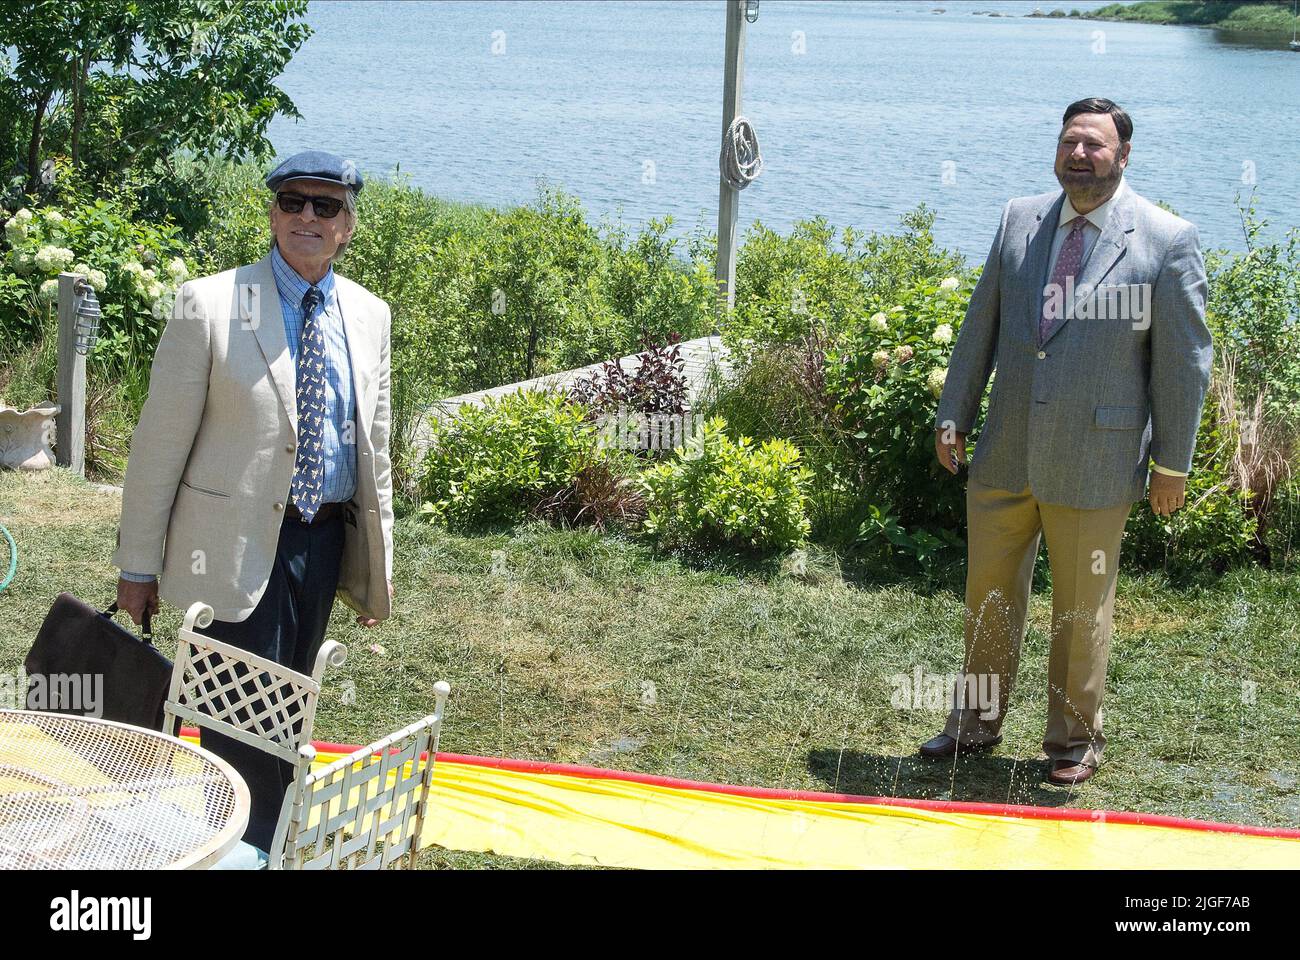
pixel 949 454
pixel 1166 493
pixel 367 621
pixel 135 598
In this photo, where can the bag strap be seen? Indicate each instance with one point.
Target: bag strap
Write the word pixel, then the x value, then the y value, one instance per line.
pixel 146 634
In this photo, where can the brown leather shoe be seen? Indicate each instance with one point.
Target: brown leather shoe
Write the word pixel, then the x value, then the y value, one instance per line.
pixel 944 747
pixel 1067 773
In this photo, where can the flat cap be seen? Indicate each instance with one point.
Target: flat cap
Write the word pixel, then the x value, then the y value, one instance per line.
pixel 317 165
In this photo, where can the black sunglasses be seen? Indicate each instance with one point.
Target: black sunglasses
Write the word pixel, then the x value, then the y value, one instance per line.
pixel 327 208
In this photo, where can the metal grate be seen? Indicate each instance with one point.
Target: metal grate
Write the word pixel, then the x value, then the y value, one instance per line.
pixel 88 794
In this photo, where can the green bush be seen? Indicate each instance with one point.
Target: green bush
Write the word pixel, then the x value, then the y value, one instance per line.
pixel 536 289
pixel 497 462
pixel 134 266
pixel 716 491
pixel 886 375
pixel 1216 527
pixel 807 283
pixel 781 392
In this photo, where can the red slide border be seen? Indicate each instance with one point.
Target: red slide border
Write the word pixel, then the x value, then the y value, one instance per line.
pixel 1021 811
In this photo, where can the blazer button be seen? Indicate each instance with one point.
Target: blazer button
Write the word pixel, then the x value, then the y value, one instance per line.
pixel 289 448
pixel 1042 355
pixel 279 506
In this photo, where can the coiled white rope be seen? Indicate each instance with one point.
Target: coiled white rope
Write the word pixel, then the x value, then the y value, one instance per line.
pixel 741 162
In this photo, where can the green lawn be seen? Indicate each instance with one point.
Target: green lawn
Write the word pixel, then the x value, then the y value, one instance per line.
pixel 569 646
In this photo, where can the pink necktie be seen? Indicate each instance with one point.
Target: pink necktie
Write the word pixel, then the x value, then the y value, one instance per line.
pixel 1067 265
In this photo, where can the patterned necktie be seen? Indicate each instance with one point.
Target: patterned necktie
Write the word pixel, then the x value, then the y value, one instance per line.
pixel 308 471
pixel 1068 262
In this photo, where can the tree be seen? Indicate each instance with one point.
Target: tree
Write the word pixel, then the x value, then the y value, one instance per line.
pixel 118 84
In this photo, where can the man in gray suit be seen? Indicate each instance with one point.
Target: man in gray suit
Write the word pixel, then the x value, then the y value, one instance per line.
pixel 1091 310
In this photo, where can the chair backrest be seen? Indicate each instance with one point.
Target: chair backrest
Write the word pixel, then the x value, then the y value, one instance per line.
pixel 364 811
pixel 249 698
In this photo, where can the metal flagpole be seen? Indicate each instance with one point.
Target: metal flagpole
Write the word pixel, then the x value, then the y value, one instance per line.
pixel 729 199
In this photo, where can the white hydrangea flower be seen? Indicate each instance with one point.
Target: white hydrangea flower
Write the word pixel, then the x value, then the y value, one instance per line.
pixel 155 290
pixel 878 322
pixel 98 281
pixel 49 291
pixel 949 284
pixel 880 359
pixel 51 259
pixel 22 262
pixel 177 270
pixel 15 231
pixel 23 216
pixel 942 333
pixel 54 217
pixel 903 353
pixel 935 380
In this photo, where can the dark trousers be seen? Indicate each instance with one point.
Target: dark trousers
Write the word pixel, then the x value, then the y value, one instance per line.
pixel 287 626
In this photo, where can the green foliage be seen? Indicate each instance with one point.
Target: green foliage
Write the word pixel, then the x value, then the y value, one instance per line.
pixel 810 318
pixel 1262 16
pixel 788 287
pixel 497 462
pixel 120 86
pixel 886 376
pixel 718 491
pixel 781 392
pixel 134 266
pixel 1216 528
pixel 1254 314
pixel 658 292
pixel 536 289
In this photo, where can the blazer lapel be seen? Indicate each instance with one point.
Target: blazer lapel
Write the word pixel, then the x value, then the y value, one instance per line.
pixel 361 353
pixel 1038 250
pixel 1110 246
pixel 259 305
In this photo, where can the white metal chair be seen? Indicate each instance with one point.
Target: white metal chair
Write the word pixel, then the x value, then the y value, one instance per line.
pixel 364 811
pixel 246 697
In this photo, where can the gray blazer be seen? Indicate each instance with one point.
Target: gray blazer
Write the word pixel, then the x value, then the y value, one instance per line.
pixel 1075 418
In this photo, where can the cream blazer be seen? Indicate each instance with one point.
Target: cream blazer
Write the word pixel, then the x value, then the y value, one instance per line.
pixel 212 457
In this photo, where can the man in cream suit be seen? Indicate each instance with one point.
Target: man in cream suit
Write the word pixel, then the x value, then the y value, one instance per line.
pixel 1091 310
pixel 259 479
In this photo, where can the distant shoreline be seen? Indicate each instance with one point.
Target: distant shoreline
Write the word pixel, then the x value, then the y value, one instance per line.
pixel 1263 19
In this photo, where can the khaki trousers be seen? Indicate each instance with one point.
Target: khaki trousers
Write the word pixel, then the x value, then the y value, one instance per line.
pixel 1083 551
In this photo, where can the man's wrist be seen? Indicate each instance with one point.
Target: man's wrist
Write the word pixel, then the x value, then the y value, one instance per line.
pixel 138 577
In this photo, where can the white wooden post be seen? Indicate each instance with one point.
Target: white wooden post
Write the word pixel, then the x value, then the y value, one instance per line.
pixel 70 426
pixel 728 199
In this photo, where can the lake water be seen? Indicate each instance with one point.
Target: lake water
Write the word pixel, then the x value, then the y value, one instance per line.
pixel 863 109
